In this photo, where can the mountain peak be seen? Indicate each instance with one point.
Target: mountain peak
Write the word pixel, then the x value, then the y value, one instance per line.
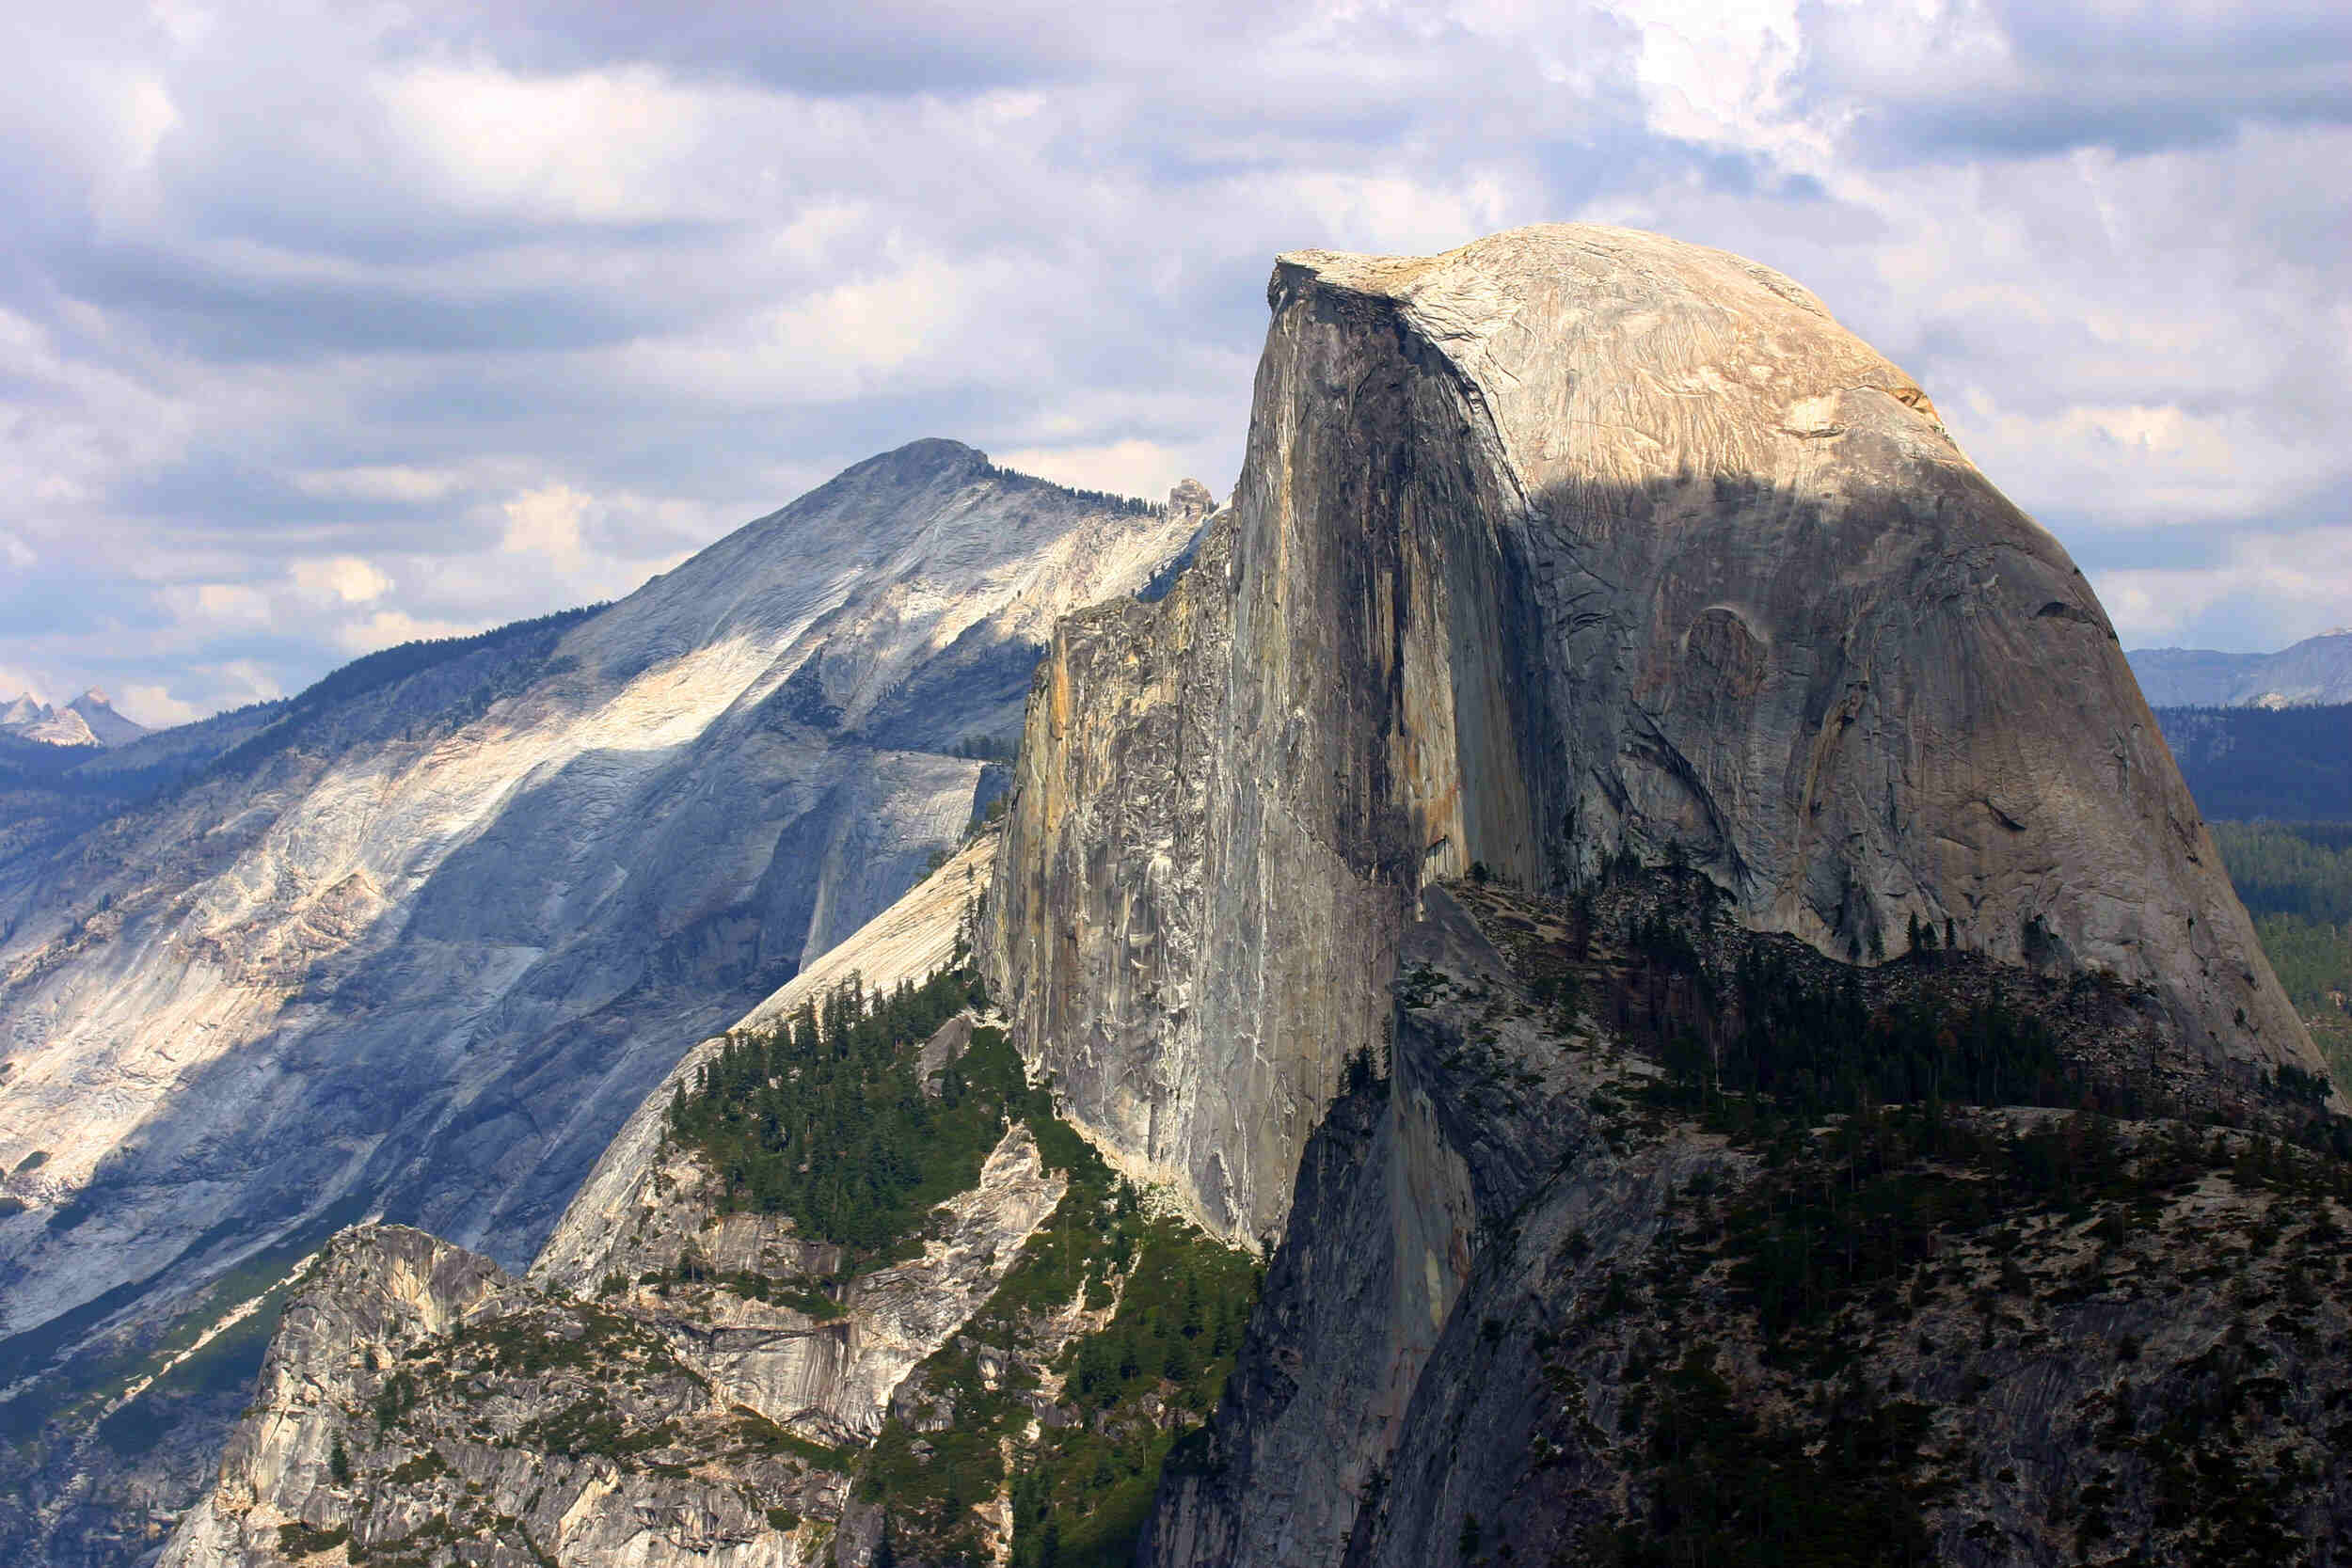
pixel 107 726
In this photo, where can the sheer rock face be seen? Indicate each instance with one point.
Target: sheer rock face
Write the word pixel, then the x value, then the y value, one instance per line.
pixel 1572 541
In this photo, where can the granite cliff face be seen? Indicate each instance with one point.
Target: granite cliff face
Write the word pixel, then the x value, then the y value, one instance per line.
pixel 1613 747
pixel 418 946
pixel 1572 544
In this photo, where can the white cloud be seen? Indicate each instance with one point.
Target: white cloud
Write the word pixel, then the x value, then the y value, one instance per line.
pixel 1129 468
pixel 307 310
pixel 345 577
pixel 217 604
pixel 155 707
pixel 545 521
pixel 598 146
pixel 389 481
pixel 387 627
pixel 2294 585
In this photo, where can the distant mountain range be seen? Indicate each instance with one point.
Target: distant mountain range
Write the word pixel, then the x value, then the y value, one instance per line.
pixel 2316 670
pixel 89 720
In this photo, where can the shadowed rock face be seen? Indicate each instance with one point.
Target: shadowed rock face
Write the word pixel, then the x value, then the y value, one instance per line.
pixel 1572 542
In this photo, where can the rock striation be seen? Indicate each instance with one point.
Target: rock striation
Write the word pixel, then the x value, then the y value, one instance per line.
pixel 1572 545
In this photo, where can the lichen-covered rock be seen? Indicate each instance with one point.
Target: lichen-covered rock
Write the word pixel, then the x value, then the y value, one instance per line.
pixel 1570 543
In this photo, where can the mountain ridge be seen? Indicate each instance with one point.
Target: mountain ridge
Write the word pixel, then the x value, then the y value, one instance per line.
pixel 422 944
pixel 2318 670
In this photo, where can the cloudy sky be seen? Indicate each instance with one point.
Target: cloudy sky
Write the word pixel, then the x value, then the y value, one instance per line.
pixel 322 330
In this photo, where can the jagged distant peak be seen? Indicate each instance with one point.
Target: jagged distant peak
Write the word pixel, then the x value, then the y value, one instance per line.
pixel 109 727
pixel 54 726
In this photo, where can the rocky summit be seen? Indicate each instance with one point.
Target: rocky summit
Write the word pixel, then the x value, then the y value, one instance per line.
pixel 1606 965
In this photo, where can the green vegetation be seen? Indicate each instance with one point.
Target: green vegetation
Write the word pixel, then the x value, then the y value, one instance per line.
pixel 2247 764
pixel 298 1540
pixel 822 1118
pixel 2296 880
pixel 1850 1228
pixel 1081 1492
pixel 1817 1048
pixel 530 643
pixel 1727 1487
pixel 70 1398
pixel 227 1364
pixel 2302 869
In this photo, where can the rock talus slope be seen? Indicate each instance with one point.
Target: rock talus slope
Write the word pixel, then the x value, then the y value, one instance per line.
pixel 1572 543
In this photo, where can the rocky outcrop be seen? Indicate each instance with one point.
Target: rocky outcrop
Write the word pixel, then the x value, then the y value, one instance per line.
pixel 1572 544
pixel 416 1402
pixel 636 1210
pixel 674 1380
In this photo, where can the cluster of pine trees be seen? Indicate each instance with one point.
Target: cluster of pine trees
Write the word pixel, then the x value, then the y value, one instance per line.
pixel 1820 1048
pixel 2297 882
pixel 823 1119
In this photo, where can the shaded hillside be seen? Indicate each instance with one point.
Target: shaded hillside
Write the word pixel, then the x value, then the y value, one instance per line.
pixel 1626 1262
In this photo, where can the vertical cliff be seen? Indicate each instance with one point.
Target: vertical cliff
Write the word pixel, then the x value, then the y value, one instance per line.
pixel 1570 544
